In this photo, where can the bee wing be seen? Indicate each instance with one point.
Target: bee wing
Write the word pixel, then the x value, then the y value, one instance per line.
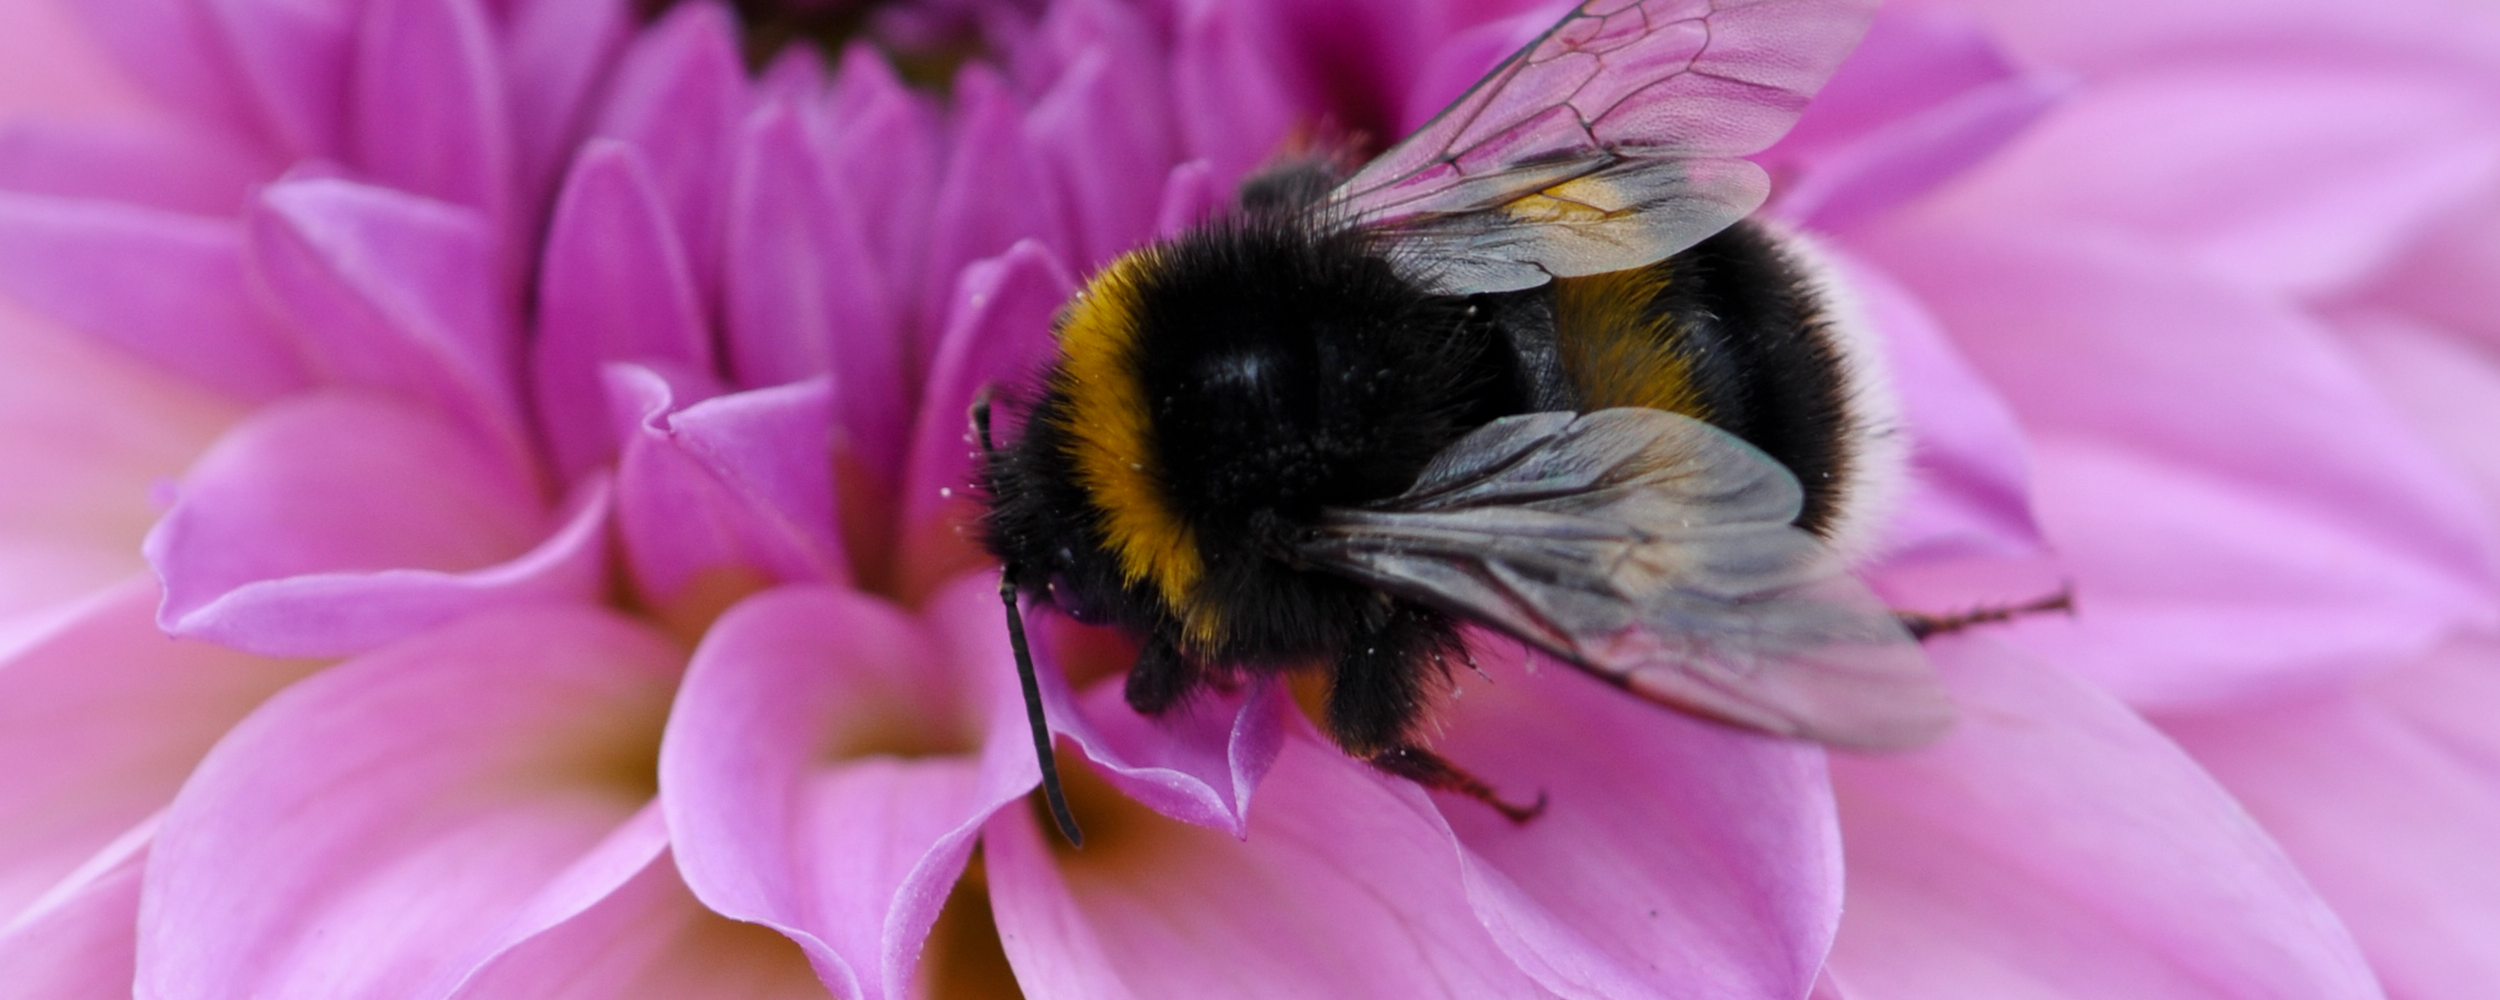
pixel 1610 142
pixel 1657 552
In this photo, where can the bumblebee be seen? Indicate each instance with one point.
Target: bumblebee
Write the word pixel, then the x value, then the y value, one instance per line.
pixel 1527 370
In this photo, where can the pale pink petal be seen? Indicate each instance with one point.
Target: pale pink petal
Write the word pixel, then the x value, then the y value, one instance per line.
pixel 1344 888
pixel 556 53
pixel 429 114
pixel 167 286
pixel 101 719
pixel 156 162
pixel 392 291
pixel 997 333
pixel 294 60
pixel 1675 857
pixel 2116 37
pixel 50 63
pixel 615 284
pixel 84 946
pixel 2389 799
pixel 825 776
pixel 993 196
pixel 333 523
pixel 1924 97
pixel 1103 129
pixel 2448 386
pixel 1230 106
pixel 734 485
pixel 369 832
pixel 1197 763
pixel 677 98
pixel 2447 275
pixel 2298 179
pixel 2234 499
pixel 93 432
pixel 648 940
pixel 2055 846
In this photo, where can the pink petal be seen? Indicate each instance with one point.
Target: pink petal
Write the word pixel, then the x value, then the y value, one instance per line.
pixel 155 162
pixel 428 111
pixel 1344 887
pixel 648 940
pixel 293 59
pixel 997 333
pixel 677 98
pixel 102 718
pixel 176 49
pixel 91 432
pixel 2056 846
pixel 2413 33
pixel 169 287
pixel 2447 386
pixel 1103 129
pixel 733 485
pixel 2388 801
pixel 368 832
pixel 615 285
pixel 993 196
pixel 556 53
pixel 1675 856
pixel 1197 764
pixel 2234 499
pixel 1968 488
pixel 825 775
pixel 49 62
pixel 84 946
pixel 1231 108
pixel 391 291
pixel 2294 179
pixel 334 523
pixel 1190 196
pixel 884 138
pixel 1924 97
pixel 2444 276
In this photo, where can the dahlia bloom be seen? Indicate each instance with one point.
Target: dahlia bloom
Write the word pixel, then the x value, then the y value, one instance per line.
pixel 542 437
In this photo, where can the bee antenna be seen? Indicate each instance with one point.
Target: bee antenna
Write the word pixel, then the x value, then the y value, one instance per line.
pixel 1033 713
pixel 1042 750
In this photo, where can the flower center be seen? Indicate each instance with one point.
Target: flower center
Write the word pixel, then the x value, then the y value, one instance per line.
pixel 926 42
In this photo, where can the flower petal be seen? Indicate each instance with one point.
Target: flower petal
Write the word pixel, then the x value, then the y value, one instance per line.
pixel 103 718
pixel 1344 887
pixel 1229 105
pixel 366 833
pixel 2389 799
pixel 851 858
pixel 677 99
pixel 2222 412
pixel 83 946
pixel 293 58
pixel 884 138
pixel 175 50
pixel 428 113
pixel 734 484
pixel 2294 179
pixel 162 163
pixel 615 285
pixel 997 334
pixel 992 197
pixel 90 432
pixel 1924 97
pixel 334 523
pixel 649 939
pixel 50 63
pixel 1197 764
pixel 556 54
pixel 396 292
pixel 2448 386
pixel 166 286
pixel 1675 857
pixel 1104 129
pixel 2056 846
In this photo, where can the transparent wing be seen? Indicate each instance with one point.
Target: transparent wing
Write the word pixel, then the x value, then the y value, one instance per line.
pixel 1611 141
pixel 1656 552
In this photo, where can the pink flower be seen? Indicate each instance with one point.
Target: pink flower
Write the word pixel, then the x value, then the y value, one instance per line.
pixel 559 435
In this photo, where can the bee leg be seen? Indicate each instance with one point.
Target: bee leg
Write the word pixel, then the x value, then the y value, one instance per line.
pixel 1161 677
pixel 1378 694
pixel 1432 771
pixel 1922 625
